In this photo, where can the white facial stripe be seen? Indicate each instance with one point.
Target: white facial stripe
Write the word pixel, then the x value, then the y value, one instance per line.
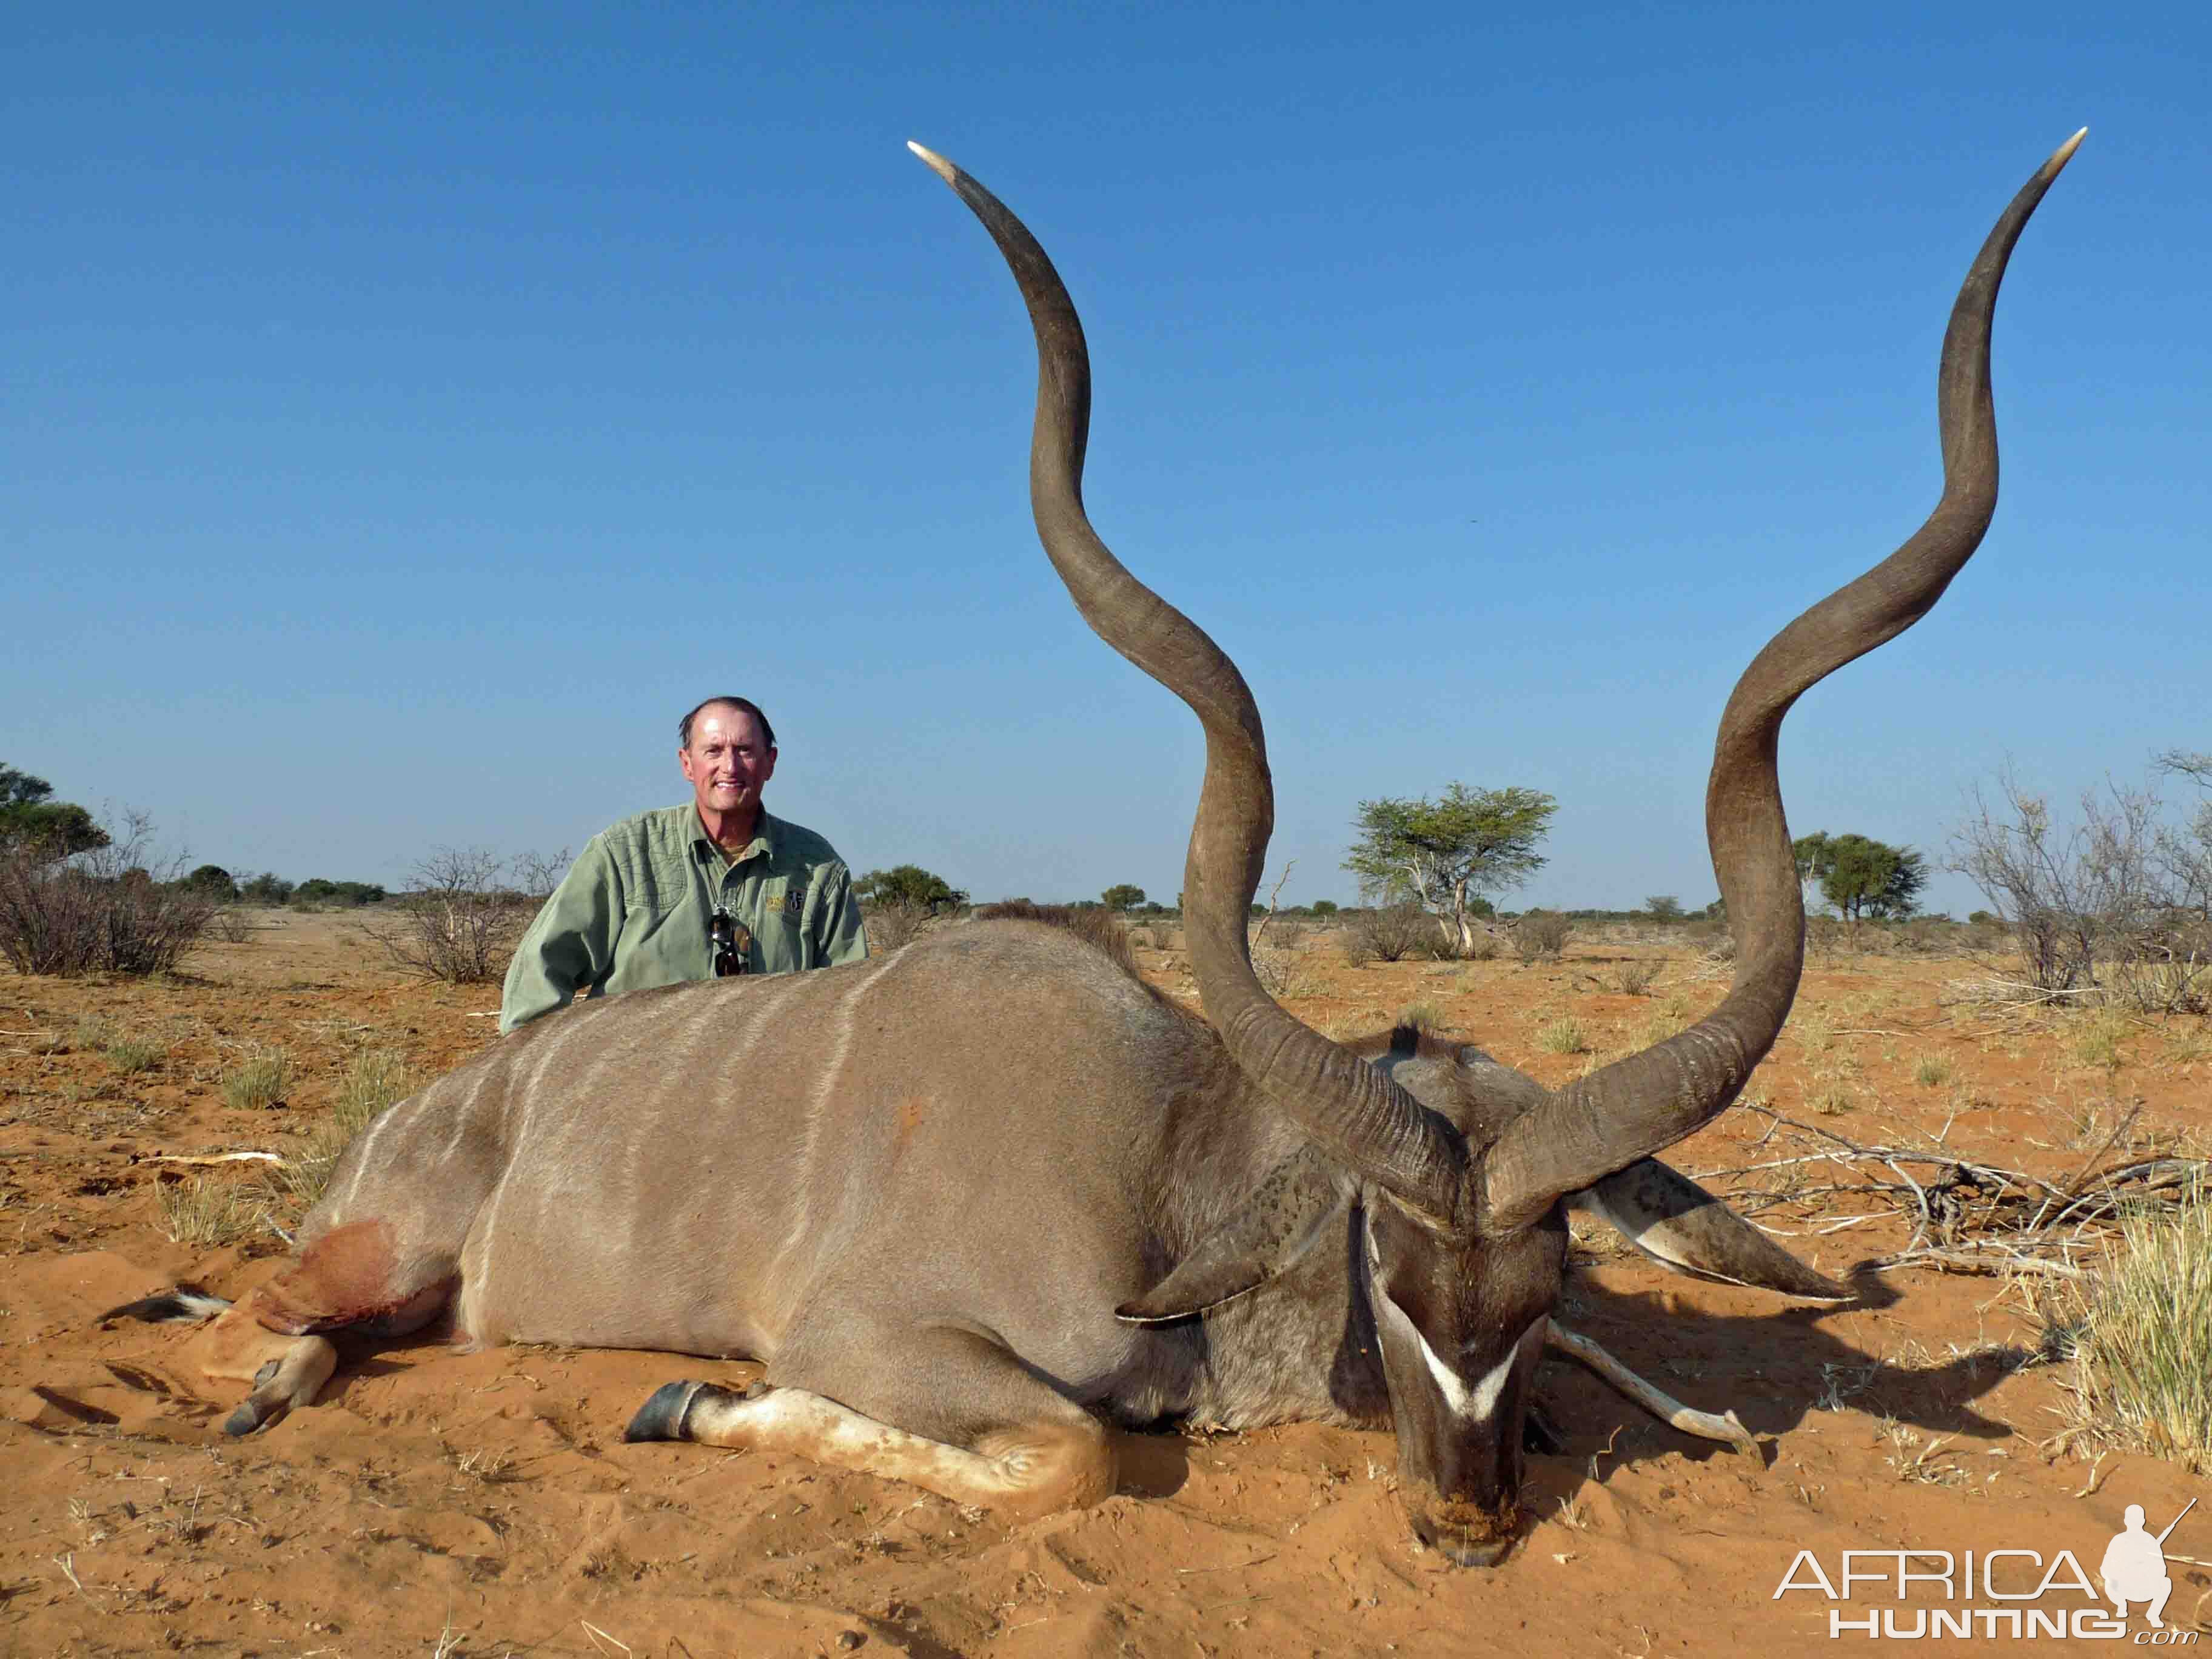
pixel 1468 1404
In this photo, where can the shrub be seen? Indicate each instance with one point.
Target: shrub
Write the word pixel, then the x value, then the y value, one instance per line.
pixel 1392 933
pixel 267 888
pixel 1540 936
pixel 96 912
pixel 214 881
pixel 1636 977
pixel 1282 974
pixel 911 885
pixel 316 889
pixel 458 923
pixel 893 925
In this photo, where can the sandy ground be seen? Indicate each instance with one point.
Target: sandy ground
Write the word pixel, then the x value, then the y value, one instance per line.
pixel 483 1504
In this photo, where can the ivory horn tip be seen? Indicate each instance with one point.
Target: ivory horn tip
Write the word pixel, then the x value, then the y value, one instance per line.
pixel 946 171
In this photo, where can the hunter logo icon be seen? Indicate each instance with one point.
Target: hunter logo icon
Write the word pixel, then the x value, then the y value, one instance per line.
pixel 2134 1567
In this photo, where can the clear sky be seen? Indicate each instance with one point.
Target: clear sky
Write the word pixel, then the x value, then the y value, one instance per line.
pixel 408 412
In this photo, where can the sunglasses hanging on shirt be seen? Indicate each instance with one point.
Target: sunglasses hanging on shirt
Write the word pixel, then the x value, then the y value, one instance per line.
pixel 734 944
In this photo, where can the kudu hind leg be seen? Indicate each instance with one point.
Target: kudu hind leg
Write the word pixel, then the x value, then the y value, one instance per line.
pixel 235 1347
pixel 274 1337
pixel 1025 1449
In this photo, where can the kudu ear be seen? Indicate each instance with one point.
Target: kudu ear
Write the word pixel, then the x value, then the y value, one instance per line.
pixel 1674 1221
pixel 1269 1235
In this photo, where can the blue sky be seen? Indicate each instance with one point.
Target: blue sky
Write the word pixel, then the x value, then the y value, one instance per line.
pixel 408 414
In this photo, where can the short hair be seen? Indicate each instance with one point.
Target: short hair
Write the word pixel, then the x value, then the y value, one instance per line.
pixel 743 705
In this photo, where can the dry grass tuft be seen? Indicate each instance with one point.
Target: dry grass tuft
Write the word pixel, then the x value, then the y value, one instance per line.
pixel 2099 1043
pixel 1835 1100
pixel 1423 1017
pixel 377 1078
pixel 1932 1072
pixel 1815 1032
pixel 2138 1333
pixel 208 1214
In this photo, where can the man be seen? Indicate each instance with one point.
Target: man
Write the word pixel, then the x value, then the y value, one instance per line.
pixel 714 887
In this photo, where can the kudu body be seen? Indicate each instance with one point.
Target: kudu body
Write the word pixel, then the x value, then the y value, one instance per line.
pixel 972 1201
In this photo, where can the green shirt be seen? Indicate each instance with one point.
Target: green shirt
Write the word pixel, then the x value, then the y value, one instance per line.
pixel 633 911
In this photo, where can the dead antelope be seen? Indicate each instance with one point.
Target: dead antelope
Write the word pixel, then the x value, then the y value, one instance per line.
pixel 973 1201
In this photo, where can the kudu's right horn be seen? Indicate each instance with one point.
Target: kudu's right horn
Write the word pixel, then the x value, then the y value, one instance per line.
pixel 1349 1109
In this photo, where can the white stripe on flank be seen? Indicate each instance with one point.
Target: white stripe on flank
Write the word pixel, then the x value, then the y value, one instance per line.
pixel 367 1161
pixel 845 1017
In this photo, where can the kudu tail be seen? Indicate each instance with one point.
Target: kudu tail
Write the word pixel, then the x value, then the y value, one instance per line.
pixel 181 1304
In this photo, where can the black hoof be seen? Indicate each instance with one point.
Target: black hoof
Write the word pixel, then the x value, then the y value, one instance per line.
pixel 663 1417
pixel 250 1416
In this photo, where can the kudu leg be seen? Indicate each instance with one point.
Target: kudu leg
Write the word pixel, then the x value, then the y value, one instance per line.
pixel 1025 1449
pixel 274 1337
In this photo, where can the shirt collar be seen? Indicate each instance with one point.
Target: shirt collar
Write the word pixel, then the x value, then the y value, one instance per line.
pixel 762 845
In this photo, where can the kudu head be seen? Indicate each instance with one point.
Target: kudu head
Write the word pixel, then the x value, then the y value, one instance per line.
pixel 1456 1169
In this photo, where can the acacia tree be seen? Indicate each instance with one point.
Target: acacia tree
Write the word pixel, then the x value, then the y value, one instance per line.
pixel 29 818
pixel 1122 895
pixel 1860 876
pixel 1440 854
pixel 908 886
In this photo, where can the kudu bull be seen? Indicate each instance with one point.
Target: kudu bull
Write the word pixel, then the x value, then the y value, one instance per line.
pixel 973 1202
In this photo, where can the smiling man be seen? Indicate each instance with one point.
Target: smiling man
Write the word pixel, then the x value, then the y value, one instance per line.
pixel 715 887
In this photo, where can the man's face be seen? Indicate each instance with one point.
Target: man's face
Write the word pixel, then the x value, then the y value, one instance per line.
pixel 728 760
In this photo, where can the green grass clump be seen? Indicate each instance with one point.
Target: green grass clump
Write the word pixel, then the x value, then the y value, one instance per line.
pixel 1563 1035
pixel 131 1055
pixel 261 1083
pixel 1933 1072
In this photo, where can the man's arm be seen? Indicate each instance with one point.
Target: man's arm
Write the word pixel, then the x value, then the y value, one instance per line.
pixel 570 945
pixel 842 937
